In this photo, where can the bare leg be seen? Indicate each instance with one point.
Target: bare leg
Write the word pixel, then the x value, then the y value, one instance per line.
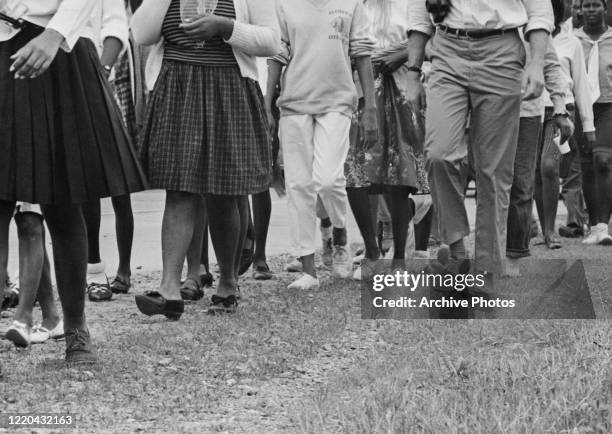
pixel 124 229
pixel 6 214
pixel 194 254
pixel 359 200
pixel 262 210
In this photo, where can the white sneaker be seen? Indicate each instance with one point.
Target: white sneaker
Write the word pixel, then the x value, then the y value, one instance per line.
pixel 357 273
pixel 42 334
pixel 295 266
pixel 343 265
pixel 599 236
pixel 327 250
pixel 19 334
pixel 420 254
pixel 305 282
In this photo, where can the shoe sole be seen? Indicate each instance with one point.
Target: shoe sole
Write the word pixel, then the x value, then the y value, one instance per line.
pixel 605 242
pixel 16 338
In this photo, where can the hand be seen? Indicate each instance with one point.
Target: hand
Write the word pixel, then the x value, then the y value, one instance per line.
pixel 415 93
pixel 369 127
pixel 389 63
pixel 566 127
pixel 35 57
pixel 591 138
pixel 209 27
pixel 533 81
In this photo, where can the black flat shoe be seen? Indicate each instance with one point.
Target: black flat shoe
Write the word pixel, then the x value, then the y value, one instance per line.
pixel 222 305
pixel 153 303
pixel 207 280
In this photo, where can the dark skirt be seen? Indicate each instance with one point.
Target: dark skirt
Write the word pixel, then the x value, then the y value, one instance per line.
pixel 206 132
pixel 62 139
pixel 397 159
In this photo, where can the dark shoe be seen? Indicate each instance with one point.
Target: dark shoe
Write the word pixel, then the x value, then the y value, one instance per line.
pixel 571 231
pixel 206 280
pixel 99 292
pixel 246 259
pixel 153 303
pixel 10 296
pixel 120 286
pixel 262 272
pixel 78 347
pixel 222 305
pixel 191 290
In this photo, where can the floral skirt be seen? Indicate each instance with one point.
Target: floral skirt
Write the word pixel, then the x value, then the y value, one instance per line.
pixel 397 158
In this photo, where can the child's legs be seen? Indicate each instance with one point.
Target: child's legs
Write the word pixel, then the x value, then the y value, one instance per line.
pixel 331 144
pixel 50 315
pixel 69 236
pixel 124 230
pixel 262 210
pixel 194 254
pixel 6 214
pixel 296 137
pixel 92 215
pixel 30 231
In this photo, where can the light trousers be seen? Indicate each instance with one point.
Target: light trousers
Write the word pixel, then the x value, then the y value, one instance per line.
pixel 314 151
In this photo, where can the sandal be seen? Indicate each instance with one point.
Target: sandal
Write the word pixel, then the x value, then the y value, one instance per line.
pixel 120 286
pixel 99 292
pixel 191 290
pixel 262 272
pixel 222 305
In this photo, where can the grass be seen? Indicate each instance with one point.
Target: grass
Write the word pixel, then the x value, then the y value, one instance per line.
pixel 306 362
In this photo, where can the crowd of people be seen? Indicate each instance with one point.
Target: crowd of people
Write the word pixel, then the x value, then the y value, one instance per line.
pixel 384 107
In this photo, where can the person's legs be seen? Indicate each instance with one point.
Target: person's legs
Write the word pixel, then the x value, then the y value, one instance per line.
pixel 331 145
pixel 50 315
pixel 495 97
pixel 69 237
pixel 30 232
pixel 602 162
pixel 92 214
pixel 124 230
pixel 6 214
pixel 296 137
pixel 360 205
pixel 422 229
pixel 521 193
pixel 262 210
pixel 190 289
pixel 177 232
pixel 244 213
pixel 446 146
pixel 226 232
pixel 401 214
pixel 547 182
pixel 327 248
pixel 572 195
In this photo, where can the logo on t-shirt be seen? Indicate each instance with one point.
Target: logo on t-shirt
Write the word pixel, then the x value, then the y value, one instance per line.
pixel 341 23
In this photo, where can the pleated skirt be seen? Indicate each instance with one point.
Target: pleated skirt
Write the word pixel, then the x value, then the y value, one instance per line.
pixel 206 132
pixel 62 137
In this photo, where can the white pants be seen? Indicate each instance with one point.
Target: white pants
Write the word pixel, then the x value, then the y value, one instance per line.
pixel 314 151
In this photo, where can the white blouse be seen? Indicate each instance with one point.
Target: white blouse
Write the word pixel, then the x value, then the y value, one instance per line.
pixel 68 17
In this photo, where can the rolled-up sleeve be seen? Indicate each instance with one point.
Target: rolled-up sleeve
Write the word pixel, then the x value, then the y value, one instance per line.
pixel 539 16
pixel 115 22
pixel 360 42
pixel 418 18
pixel 284 56
pixel 71 19
pixel 554 79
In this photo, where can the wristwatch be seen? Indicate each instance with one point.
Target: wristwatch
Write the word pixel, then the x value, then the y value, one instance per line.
pixel 107 69
pixel 415 69
pixel 564 114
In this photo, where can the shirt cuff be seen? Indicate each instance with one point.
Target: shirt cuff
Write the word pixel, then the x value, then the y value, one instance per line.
pixel 588 127
pixel 70 38
pixel 427 29
pixel 539 24
pixel 240 34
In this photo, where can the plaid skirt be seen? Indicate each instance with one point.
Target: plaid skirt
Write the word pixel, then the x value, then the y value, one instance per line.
pixel 206 132
pixel 62 139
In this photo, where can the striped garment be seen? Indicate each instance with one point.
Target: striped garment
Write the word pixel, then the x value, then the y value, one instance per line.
pixel 182 48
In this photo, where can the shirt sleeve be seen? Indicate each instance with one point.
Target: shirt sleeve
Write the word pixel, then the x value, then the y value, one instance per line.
pixel 554 79
pixel 71 19
pixel 360 42
pixel 582 91
pixel 539 16
pixel 418 18
pixel 115 22
pixel 284 56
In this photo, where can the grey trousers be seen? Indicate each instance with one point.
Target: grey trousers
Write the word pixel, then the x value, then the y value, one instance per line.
pixel 482 77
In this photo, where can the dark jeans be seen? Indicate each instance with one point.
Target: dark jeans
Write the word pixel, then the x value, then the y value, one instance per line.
pixel 571 173
pixel 521 193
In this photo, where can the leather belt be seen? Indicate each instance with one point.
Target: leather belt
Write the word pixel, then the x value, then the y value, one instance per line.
pixel 475 34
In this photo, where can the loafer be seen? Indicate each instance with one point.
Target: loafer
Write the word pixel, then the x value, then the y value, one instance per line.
pixel 262 272
pixel 153 303
pixel 120 286
pixel 19 334
pixel 191 290
pixel 79 349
